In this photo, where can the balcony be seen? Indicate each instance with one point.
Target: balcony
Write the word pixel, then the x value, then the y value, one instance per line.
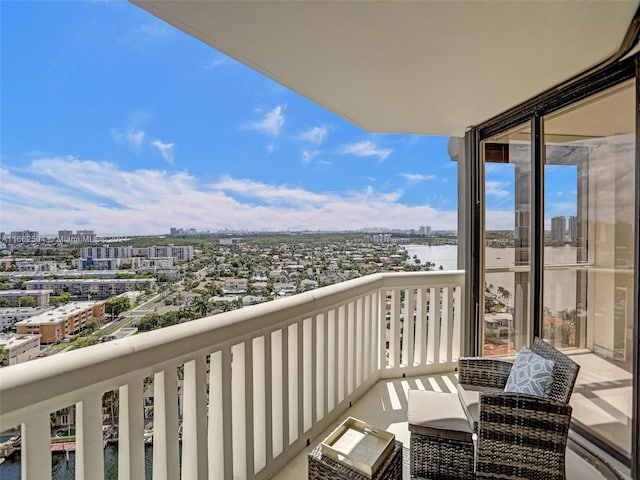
pixel 260 384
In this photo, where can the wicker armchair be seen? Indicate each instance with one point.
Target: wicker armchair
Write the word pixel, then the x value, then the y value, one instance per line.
pixel 491 373
pixel 519 436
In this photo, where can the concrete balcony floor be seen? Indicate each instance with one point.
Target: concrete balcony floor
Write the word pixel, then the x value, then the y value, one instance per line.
pixel 385 405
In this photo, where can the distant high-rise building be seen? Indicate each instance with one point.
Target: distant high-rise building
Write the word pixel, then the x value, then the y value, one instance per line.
pixel 558 229
pixel 24 236
pixel 381 238
pixel 425 231
pixel 64 236
pixel 86 236
pixel 573 228
pixel 81 236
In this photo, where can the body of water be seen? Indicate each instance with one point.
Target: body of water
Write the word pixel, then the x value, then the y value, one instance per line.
pixel 445 255
pixel 65 470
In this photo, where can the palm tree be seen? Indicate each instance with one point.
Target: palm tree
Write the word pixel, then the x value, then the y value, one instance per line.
pixel 110 400
pixel 202 305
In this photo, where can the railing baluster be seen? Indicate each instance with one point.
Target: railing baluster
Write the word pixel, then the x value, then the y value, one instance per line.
pixel 359 334
pixel 409 325
pixel 439 312
pixel 36 446
pixel 366 325
pixel 268 400
pixel 341 347
pixel 421 327
pixel 324 349
pixel 300 378
pixel 259 400
pixel 332 367
pixel 238 412
pixel 165 425
pixel 381 323
pixel 394 342
pixel 293 404
pixel 448 293
pixel 194 424
pixel 308 372
pixel 89 439
pixel 216 425
pixel 226 359
pixel 433 336
pixel 130 431
pixel 245 400
pixel 284 348
pixel 457 323
pixel 350 345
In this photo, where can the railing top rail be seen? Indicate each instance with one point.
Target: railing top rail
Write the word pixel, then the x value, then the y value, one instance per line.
pixel 42 379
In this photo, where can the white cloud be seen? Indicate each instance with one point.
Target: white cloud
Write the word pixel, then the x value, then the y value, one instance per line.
pixel 308 156
pixel 165 149
pixel 417 177
pixel 497 189
pixel 133 137
pixel 314 135
pixel 367 149
pixel 215 63
pixel 271 124
pixel 64 191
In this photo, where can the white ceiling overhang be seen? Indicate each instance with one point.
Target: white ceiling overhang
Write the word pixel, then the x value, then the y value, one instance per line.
pixel 430 67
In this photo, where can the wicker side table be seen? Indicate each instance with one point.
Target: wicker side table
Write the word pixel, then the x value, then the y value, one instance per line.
pixel 322 467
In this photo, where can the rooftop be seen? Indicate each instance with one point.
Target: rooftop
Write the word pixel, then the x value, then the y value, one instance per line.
pixel 59 314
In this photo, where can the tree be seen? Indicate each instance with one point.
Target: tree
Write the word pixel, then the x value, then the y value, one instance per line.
pixel 27 301
pixel 115 306
pixel 202 305
pixel 61 299
pixel 111 402
pixel 4 302
pixel 92 326
pixel 148 322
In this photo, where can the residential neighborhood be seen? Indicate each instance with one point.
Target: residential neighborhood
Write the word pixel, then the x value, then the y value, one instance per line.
pixel 61 288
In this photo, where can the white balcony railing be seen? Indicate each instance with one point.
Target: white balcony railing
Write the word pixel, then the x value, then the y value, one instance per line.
pixel 279 374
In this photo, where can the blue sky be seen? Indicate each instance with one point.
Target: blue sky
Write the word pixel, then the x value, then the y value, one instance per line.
pixel 115 121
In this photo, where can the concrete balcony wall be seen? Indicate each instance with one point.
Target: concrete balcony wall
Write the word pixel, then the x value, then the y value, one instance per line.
pixel 260 383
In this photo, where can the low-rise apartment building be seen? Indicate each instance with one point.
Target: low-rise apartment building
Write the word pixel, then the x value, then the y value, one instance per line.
pixel 19 348
pixel 32 266
pixel 179 252
pixel 96 287
pixel 10 316
pixel 135 263
pixel 13 296
pixel 54 325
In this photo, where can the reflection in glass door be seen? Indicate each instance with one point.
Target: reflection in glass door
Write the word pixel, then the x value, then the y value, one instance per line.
pixel 506 218
pixel 589 193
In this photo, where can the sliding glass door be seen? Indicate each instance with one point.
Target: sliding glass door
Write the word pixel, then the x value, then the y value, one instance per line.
pixel 556 245
pixel 589 195
pixel 507 218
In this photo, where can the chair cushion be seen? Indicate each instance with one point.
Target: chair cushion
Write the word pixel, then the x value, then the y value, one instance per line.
pixel 437 414
pixel 531 374
pixel 469 396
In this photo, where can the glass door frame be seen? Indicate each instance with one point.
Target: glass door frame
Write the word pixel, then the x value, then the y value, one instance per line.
pixel 533 112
